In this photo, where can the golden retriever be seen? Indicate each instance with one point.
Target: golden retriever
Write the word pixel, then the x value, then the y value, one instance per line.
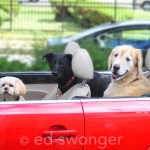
pixel 125 63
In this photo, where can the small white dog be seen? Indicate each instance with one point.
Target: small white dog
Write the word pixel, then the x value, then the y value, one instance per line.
pixel 12 88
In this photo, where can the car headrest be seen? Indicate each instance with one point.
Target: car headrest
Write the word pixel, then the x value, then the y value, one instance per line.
pixel 147 60
pixel 71 48
pixel 82 65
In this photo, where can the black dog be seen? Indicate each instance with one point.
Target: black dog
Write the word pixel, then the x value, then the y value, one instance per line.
pixel 60 64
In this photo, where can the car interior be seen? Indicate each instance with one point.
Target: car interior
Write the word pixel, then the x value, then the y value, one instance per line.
pixel 82 89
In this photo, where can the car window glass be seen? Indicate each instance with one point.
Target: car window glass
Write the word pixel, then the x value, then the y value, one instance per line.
pixel 137 38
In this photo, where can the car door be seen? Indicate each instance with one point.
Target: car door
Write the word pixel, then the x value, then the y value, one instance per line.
pixel 40 125
pixel 120 124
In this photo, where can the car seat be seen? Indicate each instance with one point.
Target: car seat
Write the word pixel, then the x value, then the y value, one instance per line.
pixel 71 48
pixel 147 64
pixel 147 73
pixel 147 59
pixel 82 67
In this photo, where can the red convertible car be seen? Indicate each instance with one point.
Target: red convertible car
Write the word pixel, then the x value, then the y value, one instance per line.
pixel 73 124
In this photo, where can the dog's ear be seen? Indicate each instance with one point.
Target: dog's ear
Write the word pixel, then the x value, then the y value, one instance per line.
pixel 110 62
pixel 139 60
pixel 48 56
pixel 69 57
pixel 110 59
pixel 20 88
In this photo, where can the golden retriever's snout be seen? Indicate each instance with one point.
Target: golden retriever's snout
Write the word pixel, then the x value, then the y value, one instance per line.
pixel 116 67
pixel 115 71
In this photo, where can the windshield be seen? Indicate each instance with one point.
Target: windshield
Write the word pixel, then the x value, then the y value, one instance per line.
pixel 89 31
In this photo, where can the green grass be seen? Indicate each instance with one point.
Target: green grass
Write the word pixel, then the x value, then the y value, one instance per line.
pixel 36 23
pixel 37 18
pixel 124 13
pixel 32 18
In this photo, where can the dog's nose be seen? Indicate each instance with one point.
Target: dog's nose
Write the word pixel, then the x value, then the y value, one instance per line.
pixel 55 74
pixel 5 88
pixel 116 67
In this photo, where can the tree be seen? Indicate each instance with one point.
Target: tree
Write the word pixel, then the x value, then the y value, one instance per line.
pixel 8 7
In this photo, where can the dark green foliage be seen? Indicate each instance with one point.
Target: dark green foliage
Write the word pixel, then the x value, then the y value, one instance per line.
pixel 89 18
pixel 1 20
pixel 84 16
pixel 10 6
pixel 99 57
pixel 6 66
pixel 39 64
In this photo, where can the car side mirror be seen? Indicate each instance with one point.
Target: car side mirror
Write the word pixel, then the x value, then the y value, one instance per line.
pixel 102 39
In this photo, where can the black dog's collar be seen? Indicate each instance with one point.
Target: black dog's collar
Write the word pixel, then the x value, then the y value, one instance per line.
pixel 68 84
pixel 70 81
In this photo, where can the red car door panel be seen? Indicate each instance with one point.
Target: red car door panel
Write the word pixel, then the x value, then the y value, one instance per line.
pixel 117 125
pixel 43 125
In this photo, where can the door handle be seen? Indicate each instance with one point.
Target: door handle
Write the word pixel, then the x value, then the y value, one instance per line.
pixel 60 133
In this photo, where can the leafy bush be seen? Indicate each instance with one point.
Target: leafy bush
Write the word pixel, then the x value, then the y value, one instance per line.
pixel 6 66
pixel 99 57
pixel 71 10
pixel 7 7
pixel 39 64
pixel 89 18
pixel 1 20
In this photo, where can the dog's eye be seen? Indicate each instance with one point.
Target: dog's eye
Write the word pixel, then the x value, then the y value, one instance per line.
pixel 3 84
pixel 127 59
pixel 53 63
pixel 61 64
pixel 116 55
pixel 10 85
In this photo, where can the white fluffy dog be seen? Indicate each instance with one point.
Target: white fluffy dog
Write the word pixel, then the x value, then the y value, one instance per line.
pixel 12 88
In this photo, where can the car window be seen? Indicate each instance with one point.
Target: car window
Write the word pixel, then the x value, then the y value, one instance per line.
pixel 137 38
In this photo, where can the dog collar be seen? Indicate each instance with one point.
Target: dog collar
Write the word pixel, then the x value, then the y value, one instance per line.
pixel 135 79
pixel 68 84
pixel 70 81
